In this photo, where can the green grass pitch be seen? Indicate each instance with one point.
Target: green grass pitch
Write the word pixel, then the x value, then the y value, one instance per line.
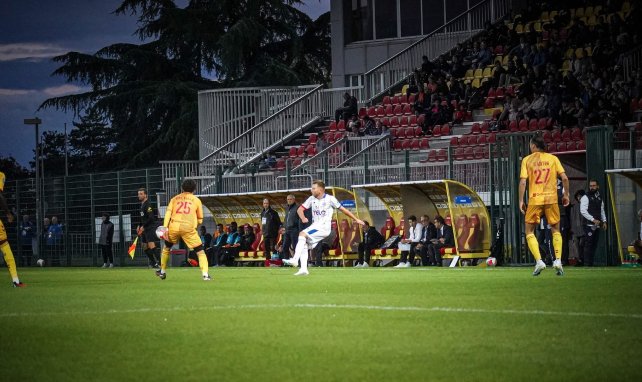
pixel 258 324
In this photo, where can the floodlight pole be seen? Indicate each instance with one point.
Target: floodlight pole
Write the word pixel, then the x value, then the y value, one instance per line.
pixel 37 122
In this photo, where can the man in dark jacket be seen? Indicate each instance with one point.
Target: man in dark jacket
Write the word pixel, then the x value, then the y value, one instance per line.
pixel 445 239
pixel 270 223
pixel 372 239
pixel 105 241
pixel 428 234
pixel 292 227
pixel 219 240
pixel 350 106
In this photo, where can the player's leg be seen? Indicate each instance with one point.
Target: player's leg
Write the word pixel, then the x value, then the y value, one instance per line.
pixel 192 240
pixel 552 212
pixel 150 251
pixel 532 219
pixel 301 246
pixel 10 261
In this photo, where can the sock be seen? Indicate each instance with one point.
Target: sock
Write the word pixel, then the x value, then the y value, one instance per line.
pixel 164 258
pixel 11 262
pixel 301 252
pixel 557 245
pixel 297 253
pixel 150 255
pixel 157 254
pixel 202 262
pixel 533 245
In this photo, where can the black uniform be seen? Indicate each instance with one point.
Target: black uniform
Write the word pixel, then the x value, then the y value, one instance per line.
pixel 149 222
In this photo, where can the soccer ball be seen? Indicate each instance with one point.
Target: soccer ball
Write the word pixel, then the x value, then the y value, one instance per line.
pixel 161 232
pixel 491 261
pixel 40 262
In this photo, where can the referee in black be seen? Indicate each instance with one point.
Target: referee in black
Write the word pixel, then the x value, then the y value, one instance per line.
pixel 147 229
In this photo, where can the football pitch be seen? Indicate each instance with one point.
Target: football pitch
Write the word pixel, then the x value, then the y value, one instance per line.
pixel 258 324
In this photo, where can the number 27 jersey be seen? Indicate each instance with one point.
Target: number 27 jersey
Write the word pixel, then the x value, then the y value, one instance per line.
pixel 541 169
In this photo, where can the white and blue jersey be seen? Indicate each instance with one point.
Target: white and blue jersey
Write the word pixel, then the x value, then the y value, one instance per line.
pixel 322 213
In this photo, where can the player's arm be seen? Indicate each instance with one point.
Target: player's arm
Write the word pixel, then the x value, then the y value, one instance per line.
pixel 5 208
pixel 301 212
pixel 168 213
pixel 565 198
pixel 522 191
pixel 351 215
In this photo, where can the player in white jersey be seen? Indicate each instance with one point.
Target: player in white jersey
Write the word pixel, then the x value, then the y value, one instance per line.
pixel 323 206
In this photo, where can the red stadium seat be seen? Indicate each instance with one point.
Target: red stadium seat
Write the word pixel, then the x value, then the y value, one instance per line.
pixel 333 126
pixel 547 136
pixel 388 110
pixel 329 136
pixel 476 129
pixel 403 99
pixel 541 124
pixel 403 121
pixel 313 138
pixel 566 135
pixel 415 144
pixel 458 153
pixel 410 132
pixel 386 100
pixel 406 144
pixel 397 145
pixel 489 103
pixel 385 121
pixel 292 153
pixel 581 145
pixel 436 131
pixel 398 111
pixel 463 140
pixel 482 140
pixel 485 127
pixel 556 136
pixel 412 120
pixel 420 120
pixel 424 144
pixel 394 100
pixel 491 93
pixel 341 126
pixel 499 93
pixel 571 146
pixel 523 125
pixel 418 131
pixel 394 122
pixel 432 156
pixel 551 147
pixel 407 110
pixel 381 112
pixel 492 138
pixel 469 153
pixel 561 146
pixel 411 99
pixel 311 150
pixel 297 162
pixel 372 111
pixel 479 152
pixel 634 105
pixel 472 140
pixel 512 127
pixel 532 125
pixel 280 164
pixel 362 112
pixel 442 155
pixel 454 141
pixel 445 129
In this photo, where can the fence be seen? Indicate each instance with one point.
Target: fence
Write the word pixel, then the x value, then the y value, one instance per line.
pixel 631 62
pixel 78 202
pixel 396 69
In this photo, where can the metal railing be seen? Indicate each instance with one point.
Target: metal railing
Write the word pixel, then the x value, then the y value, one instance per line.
pixel 631 62
pixel 331 99
pixel 224 114
pixel 245 147
pixel 396 69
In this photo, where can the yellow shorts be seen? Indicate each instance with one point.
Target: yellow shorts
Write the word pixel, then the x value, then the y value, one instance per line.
pixel 551 211
pixel 190 237
pixel 3 233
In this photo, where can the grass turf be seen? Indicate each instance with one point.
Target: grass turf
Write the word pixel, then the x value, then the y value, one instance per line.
pixel 257 324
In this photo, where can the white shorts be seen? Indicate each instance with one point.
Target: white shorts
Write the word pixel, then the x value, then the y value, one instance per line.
pixel 316 234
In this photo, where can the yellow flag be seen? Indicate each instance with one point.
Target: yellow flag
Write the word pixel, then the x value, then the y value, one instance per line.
pixel 132 248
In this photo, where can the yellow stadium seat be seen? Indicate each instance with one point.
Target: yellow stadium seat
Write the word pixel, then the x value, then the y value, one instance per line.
pixel 579 53
pixel 469 74
pixel 566 65
pixel 588 11
pixel 552 15
pixel 488 72
pixel 479 73
pixel 510 26
pixel 519 29
pixel 579 12
pixel 538 27
pixel 569 53
pixel 589 51
pixel 498 58
pixel 626 7
pixel 404 89
pixel 505 60
pixel 476 83
pixel 544 16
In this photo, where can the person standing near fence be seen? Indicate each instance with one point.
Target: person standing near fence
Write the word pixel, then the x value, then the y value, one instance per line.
pixel 54 240
pixel 106 240
pixel 147 229
pixel 270 223
pixel 27 232
pixel 292 227
pixel 592 209
pixel 4 243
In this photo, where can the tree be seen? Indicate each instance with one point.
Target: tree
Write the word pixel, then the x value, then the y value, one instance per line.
pixel 148 91
pixel 52 153
pixel 92 144
pixel 12 169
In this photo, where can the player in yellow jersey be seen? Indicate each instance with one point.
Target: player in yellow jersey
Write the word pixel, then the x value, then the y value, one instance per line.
pixel 541 170
pixel 184 214
pixel 4 244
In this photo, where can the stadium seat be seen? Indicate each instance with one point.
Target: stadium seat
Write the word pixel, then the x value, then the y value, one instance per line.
pixel 406 144
pixel 454 141
pixel 499 93
pixel 415 144
pixel 333 126
pixel 411 99
pixel 398 111
pixel 388 229
pixel 487 73
pixel 410 132
pixel 445 129
pixel 482 140
pixel 463 140
pixel 470 74
pixel 485 128
pixel 489 103
pixel 372 111
pixel 292 153
pixel 385 121
pixel 338 135
pixel 403 121
pixel 280 164
pixel 479 151
pixel 458 153
pixel 297 162
pixel 394 132
pixel 407 110
pixel 532 125
pixel 512 127
pixel 469 153
pixel 421 120
pixel 424 144
pixel 403 99
pixel 442 155
pixel 476 129
pixel 547 136
pixel 362 112
pixel 556 136
pixel 551 147
pixel 523 125
pixel 329 136
pixel 394 122
pixel 571 146
pixel 472 140
pixel 436 131
pixel 412 120
pixel 386 100
pixel 581 145
pixel 397 145
pixel 541 124
pixel 341 126
pixel 492 138
pixel 560 147
pixel 381 112
pixel 432 156
pixel 311 150
pixel 566 135
pixel 418 131
pixel 313 138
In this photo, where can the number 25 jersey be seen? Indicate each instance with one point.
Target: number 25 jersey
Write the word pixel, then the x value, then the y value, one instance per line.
pixel 184 210
pixel 541 169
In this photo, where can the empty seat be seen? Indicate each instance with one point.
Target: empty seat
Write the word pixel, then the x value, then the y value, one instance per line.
pixel 403 121
pixel 406 144
pixel 394 122
pixel 523 125
pixel 532 125
pixel 389 111
pixel 415 144
pixel 280 164
pixel 566 135
pixel 372 111
pixel 454 141
pixel 469 153
pixel 436 131
pixel 407 110
pixel 381 112
pixel 397 145
pixel 341 125
pixel 333 126
pixel 442 155
pixel 386 100
pixel 472 140
pixel 476 129
pixel 313 138
pixel 292 152
pixel 412 120
pixel 485 127
pixel 398 110
pixel 432 156
pixel 458 153
pixel 411 99
pixel 512 127
pixel 403 99
pixel 463 140
pixel 418 131
pixel 424 144
pixel 362 112
pixel 445 129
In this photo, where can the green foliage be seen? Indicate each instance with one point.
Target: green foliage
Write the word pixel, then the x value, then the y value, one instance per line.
pixel 12 169
pixel 146 94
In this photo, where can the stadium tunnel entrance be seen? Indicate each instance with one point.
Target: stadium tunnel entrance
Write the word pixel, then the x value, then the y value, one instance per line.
pixel 461 207
pixel 245 208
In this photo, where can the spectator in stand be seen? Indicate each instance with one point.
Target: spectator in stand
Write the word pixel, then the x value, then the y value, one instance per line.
pixel 412 238
pixel 231 168
pixel 520 50
pixel 484 57
pixel 426 68
pixel 372 239
pixel 292 227
pixel 369 126
pixel 537 108
pixel 264 165
pixel 219 240
pixel 321 142
pixel 499 75
pixel 421 102
pixel 354 127
pixel 445 239
pixel 385 130
pixel 27 234
pixel 349 108
pixel 106 240
pixel 270 223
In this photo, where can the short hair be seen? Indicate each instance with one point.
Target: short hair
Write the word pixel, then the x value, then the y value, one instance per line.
pixel 368 223
pixel 291 196
pixel 579 193
pixel 143 190
pixel 266 200
pixel 538 141
pixel 319 183
pixel 594 180
pixel 426 216
pixel 440 219
pixel 105 215
pixel 412 217
pixel 189 185
pixel 219 225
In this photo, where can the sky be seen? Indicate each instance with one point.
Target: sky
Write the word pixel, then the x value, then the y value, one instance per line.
pixel 34 31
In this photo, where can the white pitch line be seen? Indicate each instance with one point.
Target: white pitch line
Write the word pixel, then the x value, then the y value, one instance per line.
pixel 437 309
